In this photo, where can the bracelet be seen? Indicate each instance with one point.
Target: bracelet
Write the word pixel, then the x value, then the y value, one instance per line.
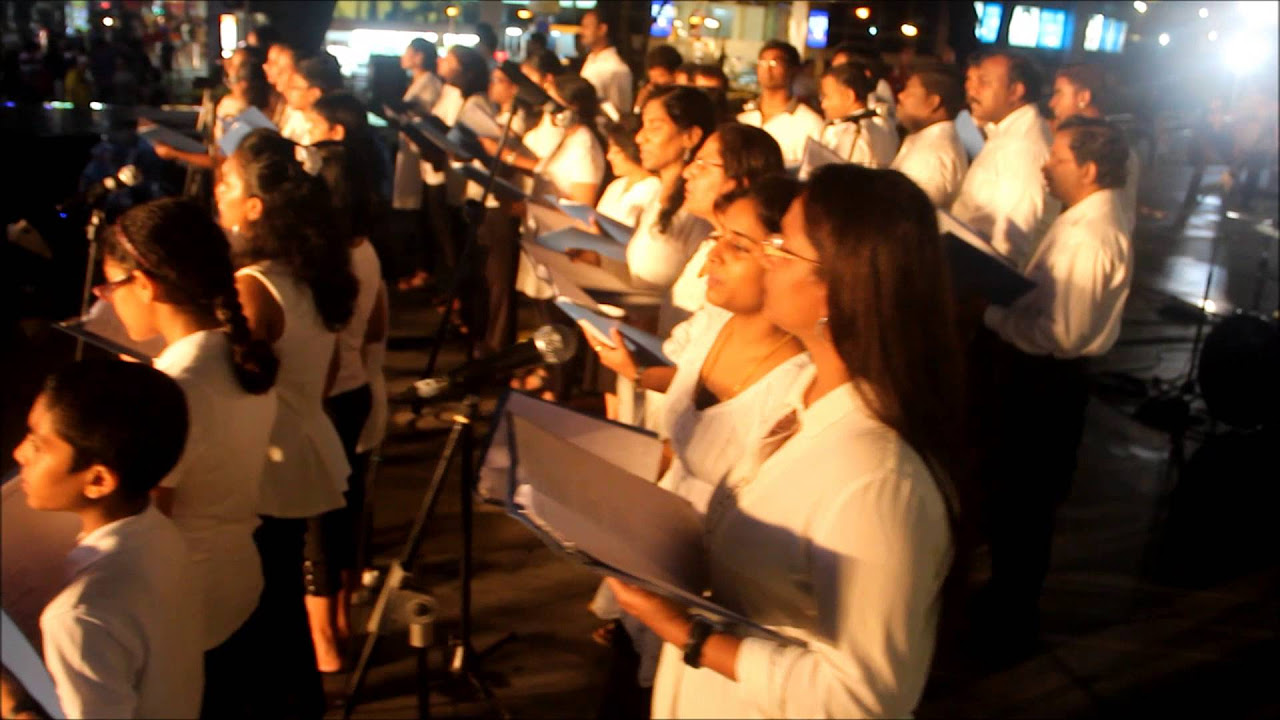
pixel 700 629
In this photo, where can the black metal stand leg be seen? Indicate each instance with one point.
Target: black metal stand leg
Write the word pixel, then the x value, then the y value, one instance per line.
pixel 96 219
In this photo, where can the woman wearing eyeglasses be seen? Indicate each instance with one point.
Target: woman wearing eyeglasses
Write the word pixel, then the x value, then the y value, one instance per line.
pixel 298 292
pixel 837 527
pixel 168 270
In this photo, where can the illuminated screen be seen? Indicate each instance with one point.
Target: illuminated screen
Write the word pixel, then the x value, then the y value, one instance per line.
pixel 1024 26
pixel 1053 29
pixel 663 14
pixel 819 29
pixel 1104 34
pixel 989 15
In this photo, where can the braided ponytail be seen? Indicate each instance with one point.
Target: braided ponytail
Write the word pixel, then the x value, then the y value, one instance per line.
pixel 254 362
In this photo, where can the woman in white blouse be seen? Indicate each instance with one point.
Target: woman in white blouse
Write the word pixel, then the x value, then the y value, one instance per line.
pixel 169 273
pixel 634 188
pixel 574 168
pixel 298 291
pixel 836 529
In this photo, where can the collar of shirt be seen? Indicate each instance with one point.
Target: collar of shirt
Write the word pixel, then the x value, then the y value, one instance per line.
pixel 607 56
pixel 1018 123
pixel 826 410
pixel 92 546
pixel 183 351
pixel 935 132
pixel 1098 204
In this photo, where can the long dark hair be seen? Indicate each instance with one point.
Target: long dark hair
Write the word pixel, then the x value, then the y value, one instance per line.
pixel 688 107
pixel 174 242
pixel 351 167
pixel 748 153
pixel 297 226
pixel 580 97
pixel 251 73
pixel 473 71
pixel 891 310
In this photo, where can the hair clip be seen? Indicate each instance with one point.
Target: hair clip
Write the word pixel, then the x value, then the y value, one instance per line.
pixel 309 158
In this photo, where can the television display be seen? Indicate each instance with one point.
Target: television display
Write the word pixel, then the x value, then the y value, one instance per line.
pixel 1024 26
pixel 989 16
pixel 1055 29
pixel 1104 34
pixel 819 29
pixel 664 15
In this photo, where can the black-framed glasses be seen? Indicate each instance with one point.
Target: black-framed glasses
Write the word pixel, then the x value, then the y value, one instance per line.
pixel 701 162
pixel 773 250
pixel 107 289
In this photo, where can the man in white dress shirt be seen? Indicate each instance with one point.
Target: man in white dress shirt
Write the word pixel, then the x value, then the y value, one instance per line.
pixel 1003 195
pixel 854 130
pixel 1084 89
pixel 1082 271
pixel 932 154
pixel 123 639
pixel 789 121
pixel 603 67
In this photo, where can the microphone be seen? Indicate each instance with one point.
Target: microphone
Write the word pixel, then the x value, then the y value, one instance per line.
pixel 127 177
pixel 550 345
pixel 855 117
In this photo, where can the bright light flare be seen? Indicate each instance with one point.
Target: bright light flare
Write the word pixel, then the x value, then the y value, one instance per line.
pixel 1204 13
pixel 513 31
pixel 1139 6
pixel 873 30
pixel 108 21
pixel 909 30
pixel 862 13
pixel 1163 39
pixel 1246 52
pixel 711 24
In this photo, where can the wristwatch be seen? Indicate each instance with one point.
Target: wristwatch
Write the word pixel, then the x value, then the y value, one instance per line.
pixel 700 629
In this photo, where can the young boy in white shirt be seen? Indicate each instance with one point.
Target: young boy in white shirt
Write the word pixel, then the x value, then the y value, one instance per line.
pixel 123 638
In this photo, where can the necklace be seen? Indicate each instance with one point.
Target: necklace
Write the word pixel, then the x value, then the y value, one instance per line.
pixel 750 374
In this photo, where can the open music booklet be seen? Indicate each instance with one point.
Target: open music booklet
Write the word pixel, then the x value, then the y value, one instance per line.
pixel 101 327
pixel 976 267
pixel 815 156
pixel 587 487
pixel 645 348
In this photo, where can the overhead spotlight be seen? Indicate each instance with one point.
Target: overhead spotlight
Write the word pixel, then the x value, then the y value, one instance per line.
pixel 513 31
pixel 909 30
pixel 862 13
pixel 1204 13
pixel 695 20
pixel 524 14
pixel 108 21
pixel 1213 36
pixel 873 30
pixel 452 11
pixel 711 24
pixel 1139 6
pixel 1163 39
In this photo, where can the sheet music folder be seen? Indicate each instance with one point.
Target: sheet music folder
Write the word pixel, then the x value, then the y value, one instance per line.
pixel 976 268
pixel 815 156
pixel 611 520
pixel 168 136
pixel 645 347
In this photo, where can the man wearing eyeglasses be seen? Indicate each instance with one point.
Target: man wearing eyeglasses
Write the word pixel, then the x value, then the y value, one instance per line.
pixel 776 111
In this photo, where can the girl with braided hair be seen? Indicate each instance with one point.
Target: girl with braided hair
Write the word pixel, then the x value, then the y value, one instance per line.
pixel 298 290
pixel 169 273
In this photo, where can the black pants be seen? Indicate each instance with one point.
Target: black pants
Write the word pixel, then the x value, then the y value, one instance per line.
pixel 289 685
pixel 331 537
pixel 1036 420
pixel 233 672
pixel 500 235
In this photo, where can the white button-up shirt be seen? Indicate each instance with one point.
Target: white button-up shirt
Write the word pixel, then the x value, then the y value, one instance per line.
pixel 1082 272
pixel 864 142
pixel 839 538
pixel 1004 195
pixel 934 159
pixel 610 76
pixel 790 128
pixel 123 639
pixel 215 483
pixel 421 95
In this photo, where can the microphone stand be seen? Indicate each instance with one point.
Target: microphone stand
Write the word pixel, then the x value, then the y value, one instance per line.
pixel 474 218
pixel 465 660
pixel 97 218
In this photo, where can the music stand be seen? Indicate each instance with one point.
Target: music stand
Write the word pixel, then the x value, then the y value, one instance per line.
pixel 465 658
pixel 97 218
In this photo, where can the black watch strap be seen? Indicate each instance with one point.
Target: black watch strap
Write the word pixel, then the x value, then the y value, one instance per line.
pixel 699 631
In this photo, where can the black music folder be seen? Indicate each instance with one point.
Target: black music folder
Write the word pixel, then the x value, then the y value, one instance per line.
pixel 976 267
pixel 599 512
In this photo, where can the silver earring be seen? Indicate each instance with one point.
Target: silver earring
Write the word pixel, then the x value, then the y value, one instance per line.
pixel 688 155
pixel 821 327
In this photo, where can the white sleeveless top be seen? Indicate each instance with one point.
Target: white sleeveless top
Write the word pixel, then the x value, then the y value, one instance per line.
pixel 707 444
pixel 306 470
pixel 368 271
pixel 216 482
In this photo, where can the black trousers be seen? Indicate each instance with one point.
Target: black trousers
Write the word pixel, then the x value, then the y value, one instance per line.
pixel 1035 421
pixel 289 685
pixel 331 537
pixel 500 236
